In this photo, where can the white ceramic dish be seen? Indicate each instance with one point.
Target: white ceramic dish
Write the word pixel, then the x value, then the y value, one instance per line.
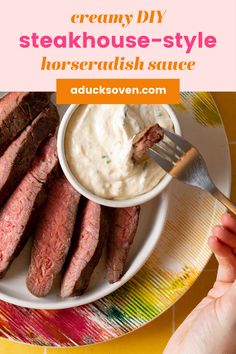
pixel 103 201
pixel 152 219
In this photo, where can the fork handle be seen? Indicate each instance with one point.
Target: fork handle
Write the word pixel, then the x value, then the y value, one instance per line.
pixel 224 200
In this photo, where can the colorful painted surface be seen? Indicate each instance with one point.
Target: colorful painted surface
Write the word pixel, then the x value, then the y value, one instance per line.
pixel 177 261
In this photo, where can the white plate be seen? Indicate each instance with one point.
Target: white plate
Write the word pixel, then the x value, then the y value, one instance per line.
pixel 152 219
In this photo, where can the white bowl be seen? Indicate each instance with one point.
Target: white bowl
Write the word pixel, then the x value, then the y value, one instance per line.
pixel 140 199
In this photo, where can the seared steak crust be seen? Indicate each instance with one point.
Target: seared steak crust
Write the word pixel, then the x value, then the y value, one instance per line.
pixel 87 249
pixel 123 227
pixel 145 139
pixel 53 237
pixel 16 160
pixel 21 211
pixel 17 110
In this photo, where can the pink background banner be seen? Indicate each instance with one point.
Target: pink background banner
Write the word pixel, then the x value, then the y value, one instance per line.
pixel 215 69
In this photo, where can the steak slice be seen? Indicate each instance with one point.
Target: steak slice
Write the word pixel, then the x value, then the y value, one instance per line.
pixel 16 160
pixel 21 211
pixel 17 110
pixel 145 139
pixel 53 237
pixel 88 241
pixel 123 227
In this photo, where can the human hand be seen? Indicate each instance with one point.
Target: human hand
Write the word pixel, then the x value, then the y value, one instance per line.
pixel 211 326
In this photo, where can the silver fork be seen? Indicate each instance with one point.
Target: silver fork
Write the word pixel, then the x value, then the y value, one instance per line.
pixel 184 162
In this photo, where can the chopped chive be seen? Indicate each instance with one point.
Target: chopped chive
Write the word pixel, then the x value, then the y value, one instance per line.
pixel 107 158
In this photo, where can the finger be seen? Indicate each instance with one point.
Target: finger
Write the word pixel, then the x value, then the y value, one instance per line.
pixel 221 250
pixel 226 258
pixel 229 221
pixel 225 235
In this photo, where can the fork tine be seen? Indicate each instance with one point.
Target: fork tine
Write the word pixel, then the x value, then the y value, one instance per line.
pixel 172 157
pixel 171 147
pixel 178 140
pixel 165 164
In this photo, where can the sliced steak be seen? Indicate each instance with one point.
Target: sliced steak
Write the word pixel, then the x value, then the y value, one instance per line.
pixel 87 249
pixel 16 160
pixel 145 139
pixel 53 237
pixel 123 227
pixel 17 110
pixel 21 211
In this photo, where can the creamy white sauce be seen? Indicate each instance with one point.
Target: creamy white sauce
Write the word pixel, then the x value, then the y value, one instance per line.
pixel 98 148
